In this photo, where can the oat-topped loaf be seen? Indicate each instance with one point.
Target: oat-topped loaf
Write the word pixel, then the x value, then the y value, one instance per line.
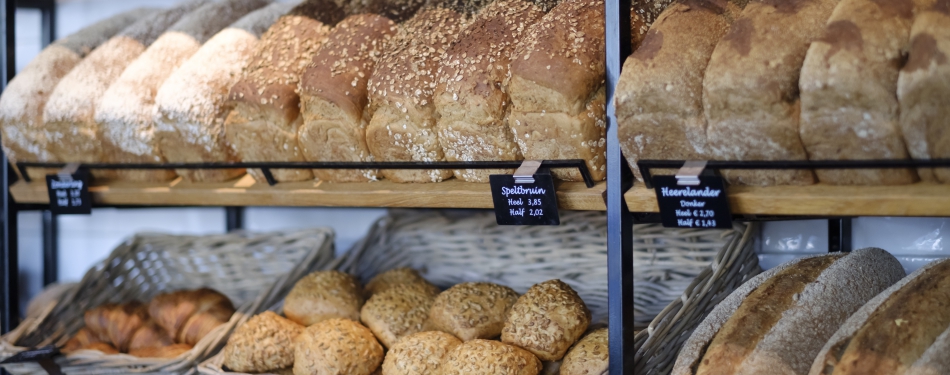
pixel 333 96
pixel 263 125
pixel 24 99
pixel 125 113
pixel 470 96
pixel 191 105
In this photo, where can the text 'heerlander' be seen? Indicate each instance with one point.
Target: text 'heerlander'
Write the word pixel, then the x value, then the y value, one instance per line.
pixel 690 192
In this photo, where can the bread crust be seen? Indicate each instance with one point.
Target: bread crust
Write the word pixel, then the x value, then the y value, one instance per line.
pixel 589 356
pixel 263 343
pixel 419 354
pixel 397 278
pixel 547 320
pixel 490 357
pixel 397 312
pixel 337 347
pixel 324 295
pixel 472 310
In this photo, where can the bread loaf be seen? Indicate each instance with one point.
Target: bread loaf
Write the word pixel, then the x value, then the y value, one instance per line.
pixel 849 91
pixel 750 91
pixel 25 96
pixel 125 114
pixel 659 95
pixel 419 354
pixel 589 356
pixel 397 312
pixel 333 96
pixel 397 278
pixel 324 295
pixel 470 96
pixel 403 117
pixel 191 106
pixel 490 357
pixel 263 343
pixel 547 320
pixel 777 322
pixel 923 87
pixel 472 310
pixel 188 315
pixel 893 331
pixel 337 347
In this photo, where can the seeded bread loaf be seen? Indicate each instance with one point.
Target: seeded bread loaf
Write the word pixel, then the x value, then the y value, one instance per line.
pixel 333 96
pixel 472 310
pixel 324 295
pixel 398 312
pixel 849 108
pixel 191 106
pixel 923 88
pixel 659 96
pixel 547 320
pixel 337 347
pixel 419 354
pixel 25 96
pixel 471 98
pixel 490 357
pixel 397 278
pixel 125 113
pixel 750 91
pixel 777 322
pixel 590 356
pixel 264 343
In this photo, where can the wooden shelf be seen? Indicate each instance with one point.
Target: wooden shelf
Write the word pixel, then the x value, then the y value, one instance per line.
pixel 920 199
pixel 245 191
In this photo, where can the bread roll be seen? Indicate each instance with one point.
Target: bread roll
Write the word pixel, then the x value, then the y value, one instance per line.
pixel 419 353
pixel 263 343
pixel 472 310
pixel 333 96
pixel 149 334
pixel 396 278
pixel 750 91
pixel 849 91
pixel 777 322
pixel 490 358
pixel 24 98
pixel 659 95
pixel 190 314
pixel 401 109
pixel 590 356
pixel 125 113
pixel 168 351
pixel 470 98
pixel 922 91
pixel 893 331
pixel 337 347
pixel 83 338
pixel 547 320
pixel 263 125
pixel 191 105
pixel 324 295
pixel 397 312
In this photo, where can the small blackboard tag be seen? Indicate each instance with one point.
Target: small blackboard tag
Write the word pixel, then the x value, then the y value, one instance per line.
pixel 524 203
pixel 69 193
pixel 700 206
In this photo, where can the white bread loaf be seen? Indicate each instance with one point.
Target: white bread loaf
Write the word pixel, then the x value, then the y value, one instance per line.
pixel 471 98
pixel 849 108
pixel 125 113
pixel 777 322
pixel 923 89
pixel 191 105
pixel 333 96
pixel 900 328
pixel 750 91
pixel 659 96
pixel 263 125
pixel 25 96
pixel 403 117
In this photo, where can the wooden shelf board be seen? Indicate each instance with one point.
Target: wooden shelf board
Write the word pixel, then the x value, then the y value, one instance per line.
pixel 920 199
pixel 245 191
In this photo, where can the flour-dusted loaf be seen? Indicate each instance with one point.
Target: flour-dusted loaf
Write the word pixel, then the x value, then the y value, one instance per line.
pixel 750 90
pixel 25 96
pixel 125 114
pixel 590 356
pixel 333 96
pixel 263 343
pixel 403 117
pixel 777 322
pixel 419 354
pixel 397 312
pixel 337 347
pixel 324 295
pixel 923 90
pixel 470 96
pixel 490 357
pixel 894 331
pixel 472 310
pixel 659 96
pixel 191 106
pixel 263 125
pixel 547 320
pixel 849 108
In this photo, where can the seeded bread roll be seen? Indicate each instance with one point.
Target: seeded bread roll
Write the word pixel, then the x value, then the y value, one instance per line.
pixel 659 96
pixel 125 113
pixel 262 344
pixel 490 358
pixel 470 97
pixel 589 356
pixel 922 89
pixel 337 347
pixel 397 312
pixel 547 320
pixel 750 91
pixel 777 322
pixel 396 278
pixel 324 295
pixel 419 353
pixel 849 91
pixel 333 96
pixel 191 105
pixel 472 310
pixel 25 96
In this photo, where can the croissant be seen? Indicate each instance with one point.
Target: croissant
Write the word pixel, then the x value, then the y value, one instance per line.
pixel 102 347
pixel 205 308
pixel 84 337
pixel 166 351
pixel 149 335
pixel 116 323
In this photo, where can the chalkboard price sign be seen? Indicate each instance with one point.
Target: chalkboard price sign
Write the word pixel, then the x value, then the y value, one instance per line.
pixel 69 193
pixel 518 203
pixel 705 205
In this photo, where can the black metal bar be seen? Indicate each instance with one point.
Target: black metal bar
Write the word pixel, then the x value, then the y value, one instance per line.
pixel 234 218
pixel 269 176
pixel 48 23
pixel 802 164
pixel 9 272
pixel 647 176
pixel 50 247
pixel 834 235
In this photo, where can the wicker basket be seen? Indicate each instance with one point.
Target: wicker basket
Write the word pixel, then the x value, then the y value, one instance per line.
pixel 253 270
pixel 658 345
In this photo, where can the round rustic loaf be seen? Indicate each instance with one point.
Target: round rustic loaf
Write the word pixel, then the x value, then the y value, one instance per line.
pixel 547 320
pixel 396 278
pixel 419 354
pixel 472 310
pixel 490 358
pixel 324 295
pixel 337 347
pixel 397 312
pixel 263 343
pixel 589 356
